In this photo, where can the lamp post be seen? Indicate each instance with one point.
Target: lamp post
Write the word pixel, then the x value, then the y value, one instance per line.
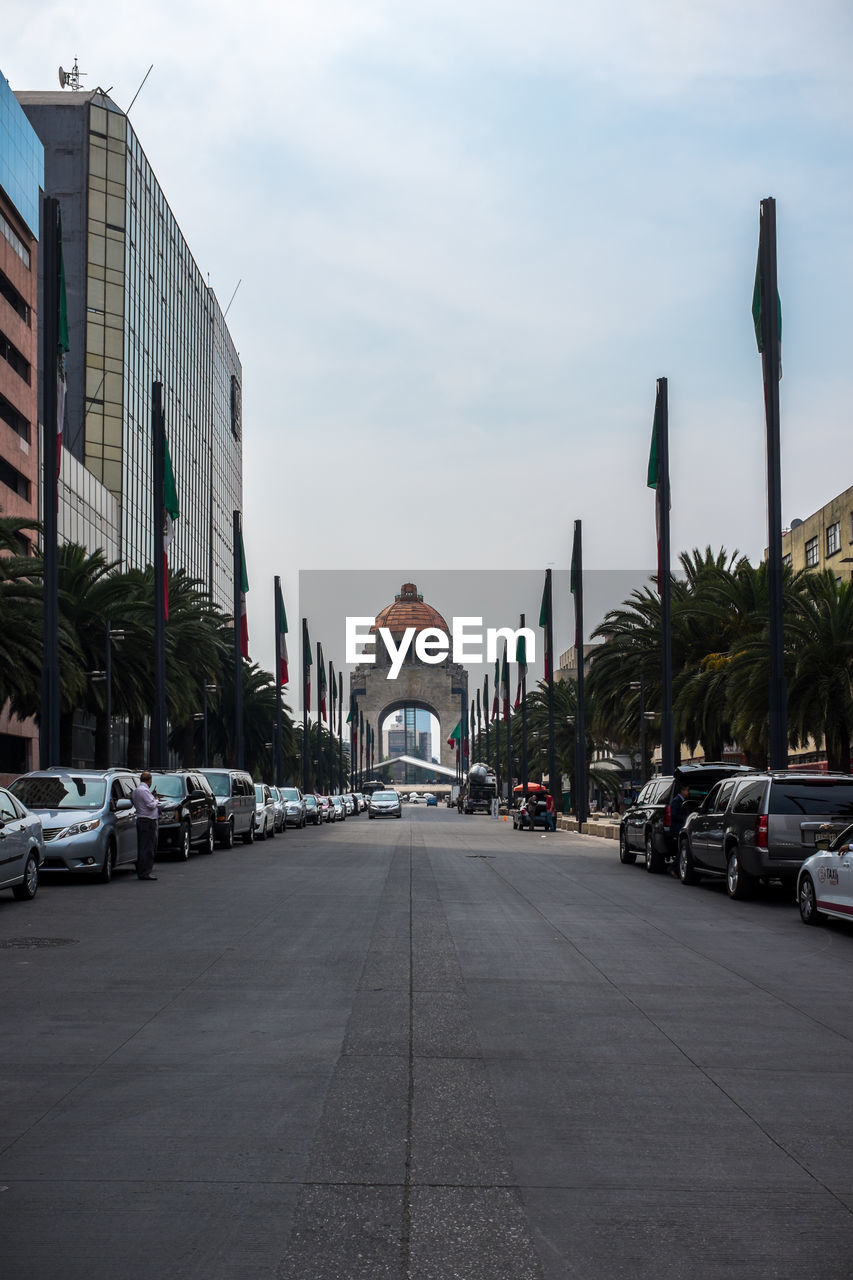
pixel 206 688
pixel 113 634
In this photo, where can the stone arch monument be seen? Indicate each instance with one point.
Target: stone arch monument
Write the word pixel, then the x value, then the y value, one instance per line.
pixel 441 688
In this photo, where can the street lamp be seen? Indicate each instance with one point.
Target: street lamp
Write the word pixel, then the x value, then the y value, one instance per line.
pixel 113 635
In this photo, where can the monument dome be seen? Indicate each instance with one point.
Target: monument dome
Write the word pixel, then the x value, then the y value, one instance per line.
pixel 409 610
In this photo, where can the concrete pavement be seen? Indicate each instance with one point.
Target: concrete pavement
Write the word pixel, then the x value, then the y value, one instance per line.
pixel 428 1048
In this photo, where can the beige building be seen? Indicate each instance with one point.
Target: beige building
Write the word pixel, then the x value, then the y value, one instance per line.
pixel 823 540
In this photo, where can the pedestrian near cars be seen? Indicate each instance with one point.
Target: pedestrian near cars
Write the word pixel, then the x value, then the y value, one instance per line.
pixel 550 812
pixel 147 817
pixel 531 810
pixel 677 818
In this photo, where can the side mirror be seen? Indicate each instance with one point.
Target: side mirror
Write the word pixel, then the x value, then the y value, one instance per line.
pixel 198 795
pixel 122 806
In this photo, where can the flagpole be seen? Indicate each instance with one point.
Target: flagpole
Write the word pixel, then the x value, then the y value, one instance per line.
pixel 771 368
pixel 321 773
pixel 505 674
pixel 581 787
pixel 486 712
pixel 49 745
pixel 523 717
pixel 158 747
pixel 279 608
pixel 666 722
pixel 549 640
pixel 239 753
pixel 305 643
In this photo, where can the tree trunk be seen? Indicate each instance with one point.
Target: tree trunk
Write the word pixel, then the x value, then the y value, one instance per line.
pixel 136 744
pixel 66 737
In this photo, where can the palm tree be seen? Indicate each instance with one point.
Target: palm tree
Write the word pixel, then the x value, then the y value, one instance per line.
pixel 820 687
pixel 20 620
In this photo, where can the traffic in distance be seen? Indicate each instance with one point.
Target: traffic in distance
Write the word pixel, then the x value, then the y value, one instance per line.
pixel 705 821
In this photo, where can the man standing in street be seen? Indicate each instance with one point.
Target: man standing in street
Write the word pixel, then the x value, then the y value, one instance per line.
pixel 147 818
pixel 678 816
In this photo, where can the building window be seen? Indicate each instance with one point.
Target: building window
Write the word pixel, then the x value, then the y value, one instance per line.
pixel 812 553
pixel 19 304
pixel 833 538
pixel 7 230
pixel 15 358
pixel 787 561
pixel 13 480
pixel 9 414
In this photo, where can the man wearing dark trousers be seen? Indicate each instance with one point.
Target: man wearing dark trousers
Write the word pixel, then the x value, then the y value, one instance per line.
pixel 147 817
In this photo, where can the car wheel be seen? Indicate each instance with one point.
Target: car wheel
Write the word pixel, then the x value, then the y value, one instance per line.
pixel 738 884
pixel 807 901
pixel 625 854
pixel 184 842
pixel 228 839
pixel 28 888
pixel 210 841
pixel 686 870
pixel 654 860
pixel 249 836
pixel 105 874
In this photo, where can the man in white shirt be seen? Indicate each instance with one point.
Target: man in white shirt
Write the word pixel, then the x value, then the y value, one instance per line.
pixel 147 818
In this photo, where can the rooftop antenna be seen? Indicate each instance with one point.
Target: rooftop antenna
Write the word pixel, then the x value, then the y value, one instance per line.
pixel 71 79
pixel 139 90
pixel 233 296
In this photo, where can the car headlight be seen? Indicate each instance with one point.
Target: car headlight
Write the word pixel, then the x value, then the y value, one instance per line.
pixel 168 810
pixel 77 828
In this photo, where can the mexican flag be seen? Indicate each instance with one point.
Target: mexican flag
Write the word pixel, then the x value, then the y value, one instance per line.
pixel 62 346
pixel 171 511
pixel 307 660
pixel 244 587
pixel 544 620
pixel 653 481
pixel 334 689
pixel 281 627
pixel 761 321
pixel 321 671
pixel 521 659
pixel 456 736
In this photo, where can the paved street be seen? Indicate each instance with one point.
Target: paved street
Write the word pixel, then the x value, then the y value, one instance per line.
pixel 430 1048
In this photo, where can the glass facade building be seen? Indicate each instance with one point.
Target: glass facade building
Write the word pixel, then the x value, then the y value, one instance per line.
pixel 21 160
pixel 140 312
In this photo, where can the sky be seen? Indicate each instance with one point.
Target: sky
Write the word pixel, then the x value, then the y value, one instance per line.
pixel 470 235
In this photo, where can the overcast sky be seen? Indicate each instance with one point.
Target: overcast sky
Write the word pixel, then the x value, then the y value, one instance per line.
pixel 471 234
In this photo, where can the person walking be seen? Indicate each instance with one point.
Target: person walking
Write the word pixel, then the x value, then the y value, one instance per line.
pixel 147 819
pixel 677 817
pixel 550 812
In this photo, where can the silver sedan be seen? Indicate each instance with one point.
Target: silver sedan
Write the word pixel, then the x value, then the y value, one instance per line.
pixel 21 847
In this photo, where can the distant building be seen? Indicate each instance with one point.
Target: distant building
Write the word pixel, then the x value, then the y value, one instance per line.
pixel 21 177
pixel 139 311
pixel 567 667
pixel 823 540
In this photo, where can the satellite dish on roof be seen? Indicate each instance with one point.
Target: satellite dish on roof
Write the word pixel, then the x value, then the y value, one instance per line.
pixel 71 79
pixel 63 77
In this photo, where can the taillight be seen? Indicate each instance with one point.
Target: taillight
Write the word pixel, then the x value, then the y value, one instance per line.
pixel 761 831
pixel 667 816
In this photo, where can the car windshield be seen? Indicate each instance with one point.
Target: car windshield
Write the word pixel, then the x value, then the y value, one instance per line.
pixel 813 796
pixel 385 795
pixel 259 792
pixel 60 791
pixel 311 802
pixel 290 793
pixel 220 783
pixel 167 785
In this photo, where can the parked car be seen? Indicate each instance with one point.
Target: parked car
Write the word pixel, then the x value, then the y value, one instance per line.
pixel 21 847
pixel 764 827
pixel 279 806
pixel 235 805
pixel 338 808
pixel 825 881
pixel 87 817
pixel 325 807
pixel 349 804
pixel 295 807
pixel 432 802
pixel 264 812
pixel 361 803
pixel 312 810
pixel 384 804
pixel 187 811
pixel 521 818
pixel 645 825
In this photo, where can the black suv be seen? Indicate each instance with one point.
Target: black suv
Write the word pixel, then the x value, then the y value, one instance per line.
pixel 645 826
pixel 187 811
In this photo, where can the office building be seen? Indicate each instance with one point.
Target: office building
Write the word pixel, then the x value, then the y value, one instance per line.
pixel 139 311
pixel 21 176
pixel 823 540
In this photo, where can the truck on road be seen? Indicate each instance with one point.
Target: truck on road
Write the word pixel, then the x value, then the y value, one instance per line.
pixel 479 790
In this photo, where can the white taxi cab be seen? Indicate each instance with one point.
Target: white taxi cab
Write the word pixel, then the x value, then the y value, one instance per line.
pixel 825 881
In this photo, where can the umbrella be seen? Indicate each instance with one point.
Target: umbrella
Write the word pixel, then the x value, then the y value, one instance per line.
pixel 531 786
